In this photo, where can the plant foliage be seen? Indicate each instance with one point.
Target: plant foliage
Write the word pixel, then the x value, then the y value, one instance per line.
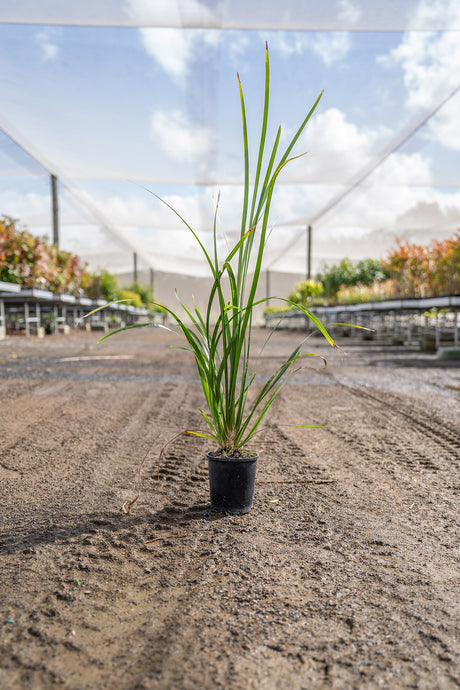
pixel 347 273
pixel 32 262
pixel 425 270
pixel 304 291
pixel 221 345
pixel 103 285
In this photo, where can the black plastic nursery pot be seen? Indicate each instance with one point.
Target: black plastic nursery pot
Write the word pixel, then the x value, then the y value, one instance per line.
pixel 231 483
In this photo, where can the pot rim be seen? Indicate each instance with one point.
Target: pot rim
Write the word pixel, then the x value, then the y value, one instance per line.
pixel 221 458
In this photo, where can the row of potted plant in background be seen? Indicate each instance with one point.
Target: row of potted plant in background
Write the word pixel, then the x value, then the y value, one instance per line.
pixel 409 270
pixel 31 261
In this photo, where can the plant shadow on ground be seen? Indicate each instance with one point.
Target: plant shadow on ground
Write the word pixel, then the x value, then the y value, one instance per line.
pixel 19 539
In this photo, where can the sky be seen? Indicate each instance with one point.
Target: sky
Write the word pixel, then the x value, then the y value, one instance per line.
pixel 134 96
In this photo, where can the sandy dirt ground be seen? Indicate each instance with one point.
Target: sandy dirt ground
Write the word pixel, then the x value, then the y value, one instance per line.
pixel 344 574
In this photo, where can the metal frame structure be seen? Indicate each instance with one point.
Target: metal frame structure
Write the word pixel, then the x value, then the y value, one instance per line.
pixel 31 304
pixel 401 320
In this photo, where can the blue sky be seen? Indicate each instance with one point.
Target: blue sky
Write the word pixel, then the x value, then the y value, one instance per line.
pixel 114 109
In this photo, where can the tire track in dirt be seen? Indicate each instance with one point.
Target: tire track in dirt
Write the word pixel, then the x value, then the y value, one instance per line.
pixel 29 417
pixel 96 462
pixel 170 465
pixel 116 585
pixel 291 464
pixel 380 558
pixel 370 451
pixel 431 443
pixel 138 429
pixel 444 434
pixel 182 469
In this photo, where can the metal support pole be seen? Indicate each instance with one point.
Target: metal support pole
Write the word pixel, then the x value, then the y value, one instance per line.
pixel 135 266
pixel 309 252
pixel 456 328
pixel 379 326
pixel 26 318
pixel 2 320
pixel 267 287
pixel 55 209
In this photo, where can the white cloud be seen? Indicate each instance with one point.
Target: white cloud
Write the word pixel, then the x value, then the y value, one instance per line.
pixel 144 211
pixel 180 140
pixel 176 49
pixel 368 223
pixel 379 202
pixel 164 239
pixel 46 39
pixel 146 12
pixel 348 11
pixel 287 43
pixel 34 207
pixel 168 13
pixel 330 130
pixel 330 46
pixel 238 43
pixel 430 215
pixel 396 197
pixel 430 62
pixel 402 169
pixel 444 127
pixel 170 48
pixel 336 149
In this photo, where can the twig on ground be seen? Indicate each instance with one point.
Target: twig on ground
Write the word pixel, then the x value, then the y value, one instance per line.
pixel 126 507
pixel 166 536
pixel 308 482
pixel 296 481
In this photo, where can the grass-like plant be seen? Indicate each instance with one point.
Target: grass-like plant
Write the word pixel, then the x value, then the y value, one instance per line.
pixel 221 345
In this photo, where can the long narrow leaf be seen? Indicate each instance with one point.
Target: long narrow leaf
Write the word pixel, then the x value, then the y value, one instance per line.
pixel 135 325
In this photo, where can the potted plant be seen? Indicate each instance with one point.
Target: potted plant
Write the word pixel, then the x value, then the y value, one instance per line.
pixel 221 345
pixel 49 322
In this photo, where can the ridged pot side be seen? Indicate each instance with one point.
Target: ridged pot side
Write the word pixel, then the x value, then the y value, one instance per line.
pixel 231 483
